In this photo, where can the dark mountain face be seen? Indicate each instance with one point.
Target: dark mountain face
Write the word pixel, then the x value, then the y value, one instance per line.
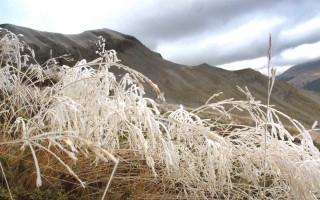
pixel 188 85
pixel 80 46
pixel 305 75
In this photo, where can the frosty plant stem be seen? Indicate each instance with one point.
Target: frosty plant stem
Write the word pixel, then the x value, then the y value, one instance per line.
pixel 5 179
pixel 271 79
pixel 268 105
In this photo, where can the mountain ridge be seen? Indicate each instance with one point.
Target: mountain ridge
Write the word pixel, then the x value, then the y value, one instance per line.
pixel 305 75
pixel 182 84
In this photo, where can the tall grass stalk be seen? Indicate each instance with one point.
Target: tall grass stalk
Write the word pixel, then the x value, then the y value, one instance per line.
pixel 87 123
pixel 271 79
pixel 5 179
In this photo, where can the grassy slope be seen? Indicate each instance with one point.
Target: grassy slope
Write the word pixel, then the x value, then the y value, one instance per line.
pixel 187 85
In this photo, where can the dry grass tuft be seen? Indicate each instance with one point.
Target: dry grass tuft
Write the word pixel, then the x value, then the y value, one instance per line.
pixel 87 128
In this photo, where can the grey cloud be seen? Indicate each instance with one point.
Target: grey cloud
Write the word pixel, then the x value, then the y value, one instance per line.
pixel 186 20
pixel 193 18
pixel 157 23
pixel 212 17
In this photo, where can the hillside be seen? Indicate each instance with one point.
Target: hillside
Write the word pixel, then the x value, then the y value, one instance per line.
pixel 305 75
pixel 187 85
pixel 92 134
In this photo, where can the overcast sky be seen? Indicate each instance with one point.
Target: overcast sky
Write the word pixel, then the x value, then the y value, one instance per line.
pixel 231 34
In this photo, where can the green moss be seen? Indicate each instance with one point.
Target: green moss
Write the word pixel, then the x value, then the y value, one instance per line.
pixel 127 193
pixel 34 194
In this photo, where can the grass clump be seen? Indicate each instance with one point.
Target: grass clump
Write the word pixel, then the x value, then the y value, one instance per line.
pixel 93 135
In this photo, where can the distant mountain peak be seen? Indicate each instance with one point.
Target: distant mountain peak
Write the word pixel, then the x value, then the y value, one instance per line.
pixel 305 75
pixel 204 65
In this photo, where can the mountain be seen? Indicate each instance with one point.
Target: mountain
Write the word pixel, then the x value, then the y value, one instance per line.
pixel 305 75
pixel 182 84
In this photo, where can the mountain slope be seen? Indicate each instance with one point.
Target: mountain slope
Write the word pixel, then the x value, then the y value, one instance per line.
pixel 305 75
pixel 188 85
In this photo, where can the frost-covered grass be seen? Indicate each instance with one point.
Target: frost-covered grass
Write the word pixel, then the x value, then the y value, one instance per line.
pixel 94 130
